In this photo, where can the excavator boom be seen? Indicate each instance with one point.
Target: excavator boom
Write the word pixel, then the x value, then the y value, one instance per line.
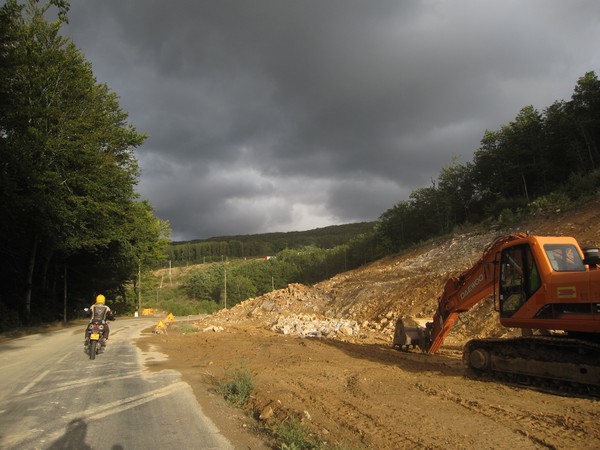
pixel 460 294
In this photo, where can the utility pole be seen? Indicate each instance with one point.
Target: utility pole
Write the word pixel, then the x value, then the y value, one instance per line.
pixel 140 288
pixel 225 296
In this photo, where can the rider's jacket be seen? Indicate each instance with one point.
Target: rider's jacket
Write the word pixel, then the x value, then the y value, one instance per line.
pixel 100 312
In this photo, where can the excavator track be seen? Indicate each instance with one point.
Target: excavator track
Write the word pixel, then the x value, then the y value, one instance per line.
pixel 559 365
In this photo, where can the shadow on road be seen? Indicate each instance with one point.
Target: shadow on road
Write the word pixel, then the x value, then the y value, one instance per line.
pixel 74 437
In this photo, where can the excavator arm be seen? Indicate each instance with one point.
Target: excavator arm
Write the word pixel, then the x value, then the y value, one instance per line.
pixel 460 294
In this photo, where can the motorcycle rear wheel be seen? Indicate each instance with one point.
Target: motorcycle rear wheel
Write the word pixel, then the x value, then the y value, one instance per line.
pixel 93 346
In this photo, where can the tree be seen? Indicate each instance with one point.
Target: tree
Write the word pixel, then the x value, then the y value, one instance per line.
pixel 68 169
pixel 207 284
pixel 524 140
pixel 560 139
pixel 585 109
pixel 457 193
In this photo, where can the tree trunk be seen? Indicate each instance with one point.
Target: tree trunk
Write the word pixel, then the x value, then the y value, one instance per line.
pixel 29 281
pixel 591 148
pixel 525 187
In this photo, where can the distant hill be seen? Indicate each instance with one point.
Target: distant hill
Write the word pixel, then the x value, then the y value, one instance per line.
pixel 253 245
pixel 336 233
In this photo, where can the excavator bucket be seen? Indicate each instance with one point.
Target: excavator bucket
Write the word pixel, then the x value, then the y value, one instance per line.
pixel 411 333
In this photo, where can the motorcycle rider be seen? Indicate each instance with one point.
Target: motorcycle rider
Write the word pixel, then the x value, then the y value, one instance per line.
pixel 100 314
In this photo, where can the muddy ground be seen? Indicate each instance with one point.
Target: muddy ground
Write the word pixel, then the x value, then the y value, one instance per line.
pixel 322 354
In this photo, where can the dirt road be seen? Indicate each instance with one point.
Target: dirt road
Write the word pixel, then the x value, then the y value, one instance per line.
pixel 323 355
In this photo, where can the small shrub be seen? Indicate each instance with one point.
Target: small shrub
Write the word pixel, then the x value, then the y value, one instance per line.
pixel 501 205
pixel 237 386
pixel 553 201
pixel 292 435
pixel 507 217
pixel 186 328
pixel 207 307
pixel 583 185
pixel 188 307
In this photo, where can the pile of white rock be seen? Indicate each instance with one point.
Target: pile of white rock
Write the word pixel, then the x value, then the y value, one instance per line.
pixel 311 326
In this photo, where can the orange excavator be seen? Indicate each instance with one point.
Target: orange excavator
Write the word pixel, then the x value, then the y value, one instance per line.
pixel 549 287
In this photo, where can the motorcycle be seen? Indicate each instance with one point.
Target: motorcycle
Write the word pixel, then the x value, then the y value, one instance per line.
pixel 95 340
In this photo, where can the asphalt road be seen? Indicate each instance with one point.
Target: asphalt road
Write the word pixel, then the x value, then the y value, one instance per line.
pixel 52 396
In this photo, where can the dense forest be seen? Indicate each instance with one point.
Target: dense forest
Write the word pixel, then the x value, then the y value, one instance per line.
pixel 263 245
pixel 71 223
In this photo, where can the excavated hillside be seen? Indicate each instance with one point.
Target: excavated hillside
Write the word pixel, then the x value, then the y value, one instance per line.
pixel 322 354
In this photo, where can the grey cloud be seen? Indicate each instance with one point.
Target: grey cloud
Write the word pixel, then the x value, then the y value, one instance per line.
pixel 285 115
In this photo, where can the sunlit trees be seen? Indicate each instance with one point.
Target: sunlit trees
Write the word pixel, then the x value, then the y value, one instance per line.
pixel 68 170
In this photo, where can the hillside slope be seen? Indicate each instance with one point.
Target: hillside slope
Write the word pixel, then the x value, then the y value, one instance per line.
pixel 349 387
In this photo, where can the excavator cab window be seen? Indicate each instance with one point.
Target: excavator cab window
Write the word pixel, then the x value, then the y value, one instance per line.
pixel 519 278
pixel 564 258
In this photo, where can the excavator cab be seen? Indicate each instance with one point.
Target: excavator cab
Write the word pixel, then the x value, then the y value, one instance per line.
pixel 519 278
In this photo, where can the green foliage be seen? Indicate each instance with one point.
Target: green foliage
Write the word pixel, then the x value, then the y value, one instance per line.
pixel 237 385
pixel 206 284
pixel 265 275
pixel 261 245
pixel 184 308
pixel 67 181
pixel 239 288
pixel 583 185
pixel 508 217
pixel 292 435
pixel 251 278
pixel 186 328
pixel 501 205
pixel 551 202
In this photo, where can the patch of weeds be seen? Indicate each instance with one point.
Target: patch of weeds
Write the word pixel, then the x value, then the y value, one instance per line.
pixel 236 388
pixel 237 385
pixel 292 435
pixel 186 328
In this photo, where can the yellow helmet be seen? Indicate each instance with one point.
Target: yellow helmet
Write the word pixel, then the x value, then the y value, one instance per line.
pixel 101 299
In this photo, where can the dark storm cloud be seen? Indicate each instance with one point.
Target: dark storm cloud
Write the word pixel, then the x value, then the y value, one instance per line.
pixel 289 115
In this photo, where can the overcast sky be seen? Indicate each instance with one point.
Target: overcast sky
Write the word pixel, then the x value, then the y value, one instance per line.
pixel 275 115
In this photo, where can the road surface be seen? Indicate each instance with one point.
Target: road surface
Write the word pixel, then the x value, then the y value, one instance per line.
pixel 52 396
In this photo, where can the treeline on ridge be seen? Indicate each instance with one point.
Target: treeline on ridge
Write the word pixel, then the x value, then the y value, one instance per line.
pixel 263 245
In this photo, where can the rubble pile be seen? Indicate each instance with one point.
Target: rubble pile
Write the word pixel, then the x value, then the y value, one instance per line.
pixel 311 326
